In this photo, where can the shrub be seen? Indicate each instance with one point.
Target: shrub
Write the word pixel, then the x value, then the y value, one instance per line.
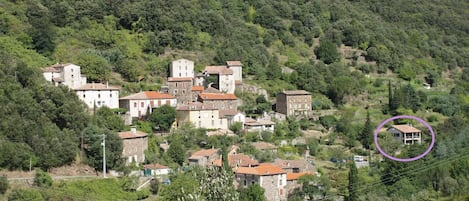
pixel 24 194
pixel 3 184
pixel 42 179
pixel 154 186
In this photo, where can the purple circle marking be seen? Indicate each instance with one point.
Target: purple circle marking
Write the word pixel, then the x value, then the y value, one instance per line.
pixel 404 117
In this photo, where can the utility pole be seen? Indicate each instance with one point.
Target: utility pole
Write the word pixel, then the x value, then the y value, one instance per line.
pixel 104 155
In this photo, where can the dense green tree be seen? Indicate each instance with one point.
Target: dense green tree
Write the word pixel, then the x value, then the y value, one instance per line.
pixel 340 87
pixel 176 152
pixel 352 182
pixel 327 52
pixel 42 179
pixel 107 118
pixel 42 30
pixel 95 67
pixel 366 135
pixel 163 117
pixel 253 192
pixel 154 186
pixel 93 140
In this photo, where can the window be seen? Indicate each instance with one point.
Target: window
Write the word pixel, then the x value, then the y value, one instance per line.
pixel 142 104
pixel 175 91
pixel 84 95
pixel 176 84
pixel 183 91
pixel 200 124
pixel 245 183
pixel 213 122
pixel 135 104
pixel 110 94
pixel 99 95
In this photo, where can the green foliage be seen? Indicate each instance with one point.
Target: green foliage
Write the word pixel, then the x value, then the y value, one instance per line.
pixel 366 135
pixel 42 179
pixel 176 151
pixel 4 185
pixel 95 67
pixel 236 127
pixel 154 186
pixel 327 121
pixel 327 52
pixel 25 194
pixel 352 182
pixel 252 193
pixel 108 118
pixel 163 117
pixel 94 151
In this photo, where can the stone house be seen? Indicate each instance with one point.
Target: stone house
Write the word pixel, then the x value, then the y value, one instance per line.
pixel 270 177
pixel 294 103
pixel 406 134
pixel 196 90
pixel 233 116
pixel 66 74
pixel 98 94
pixel 292 181
pixel 238 160
pixel 143 103
pixel 259 125
pixel 181 68
pixel 181 88
pixel 237 68
pixel 158 169
pixel 226 82
pixel 220 101
pixel 294 166
pixel 201 115
pixel 204 157
pixel 134 145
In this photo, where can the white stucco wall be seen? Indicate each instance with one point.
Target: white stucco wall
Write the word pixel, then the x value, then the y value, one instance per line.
pixel 182 68
pixel 109 98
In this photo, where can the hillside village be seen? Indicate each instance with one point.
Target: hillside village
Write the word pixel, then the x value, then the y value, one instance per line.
pixel 234 100
pixel 212 106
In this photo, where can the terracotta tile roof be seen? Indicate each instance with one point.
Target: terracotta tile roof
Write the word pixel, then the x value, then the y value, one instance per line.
pixel 179 79
pixel 262 170
pixel 197 88
pixel 215 96
pixel 211 90
pixel 234 63
pixel 259 122
pixel 295 176
pixel 55 68
pixel 50 69
pixel 296 92
pixel 148 95
pixel 289 164
pixel 96 86
pixel 238 160
pixel 204 153
pixel 222 70
pixel 130 134
pixel 263 145
pixel 155 166
pixel 406 128
pixel 195 106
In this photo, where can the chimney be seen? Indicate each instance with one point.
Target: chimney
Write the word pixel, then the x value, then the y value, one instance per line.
pixel 133 129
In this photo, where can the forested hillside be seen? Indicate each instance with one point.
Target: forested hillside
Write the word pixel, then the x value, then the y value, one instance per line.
pixel 357 56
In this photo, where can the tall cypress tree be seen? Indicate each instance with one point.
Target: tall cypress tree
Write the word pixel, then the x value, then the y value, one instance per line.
pixel 352 182
pixel 367 132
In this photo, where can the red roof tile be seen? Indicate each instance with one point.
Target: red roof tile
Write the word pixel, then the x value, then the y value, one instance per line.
pixel 148 95
pixel 130 134
pixel 204 153
pixel 215 96
pixel 234 63
pixel 197 88
pixel 96 86
pixel 262 170
pixel 222 70
pixel 406 128
pixel 179 79
pixel 295 176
